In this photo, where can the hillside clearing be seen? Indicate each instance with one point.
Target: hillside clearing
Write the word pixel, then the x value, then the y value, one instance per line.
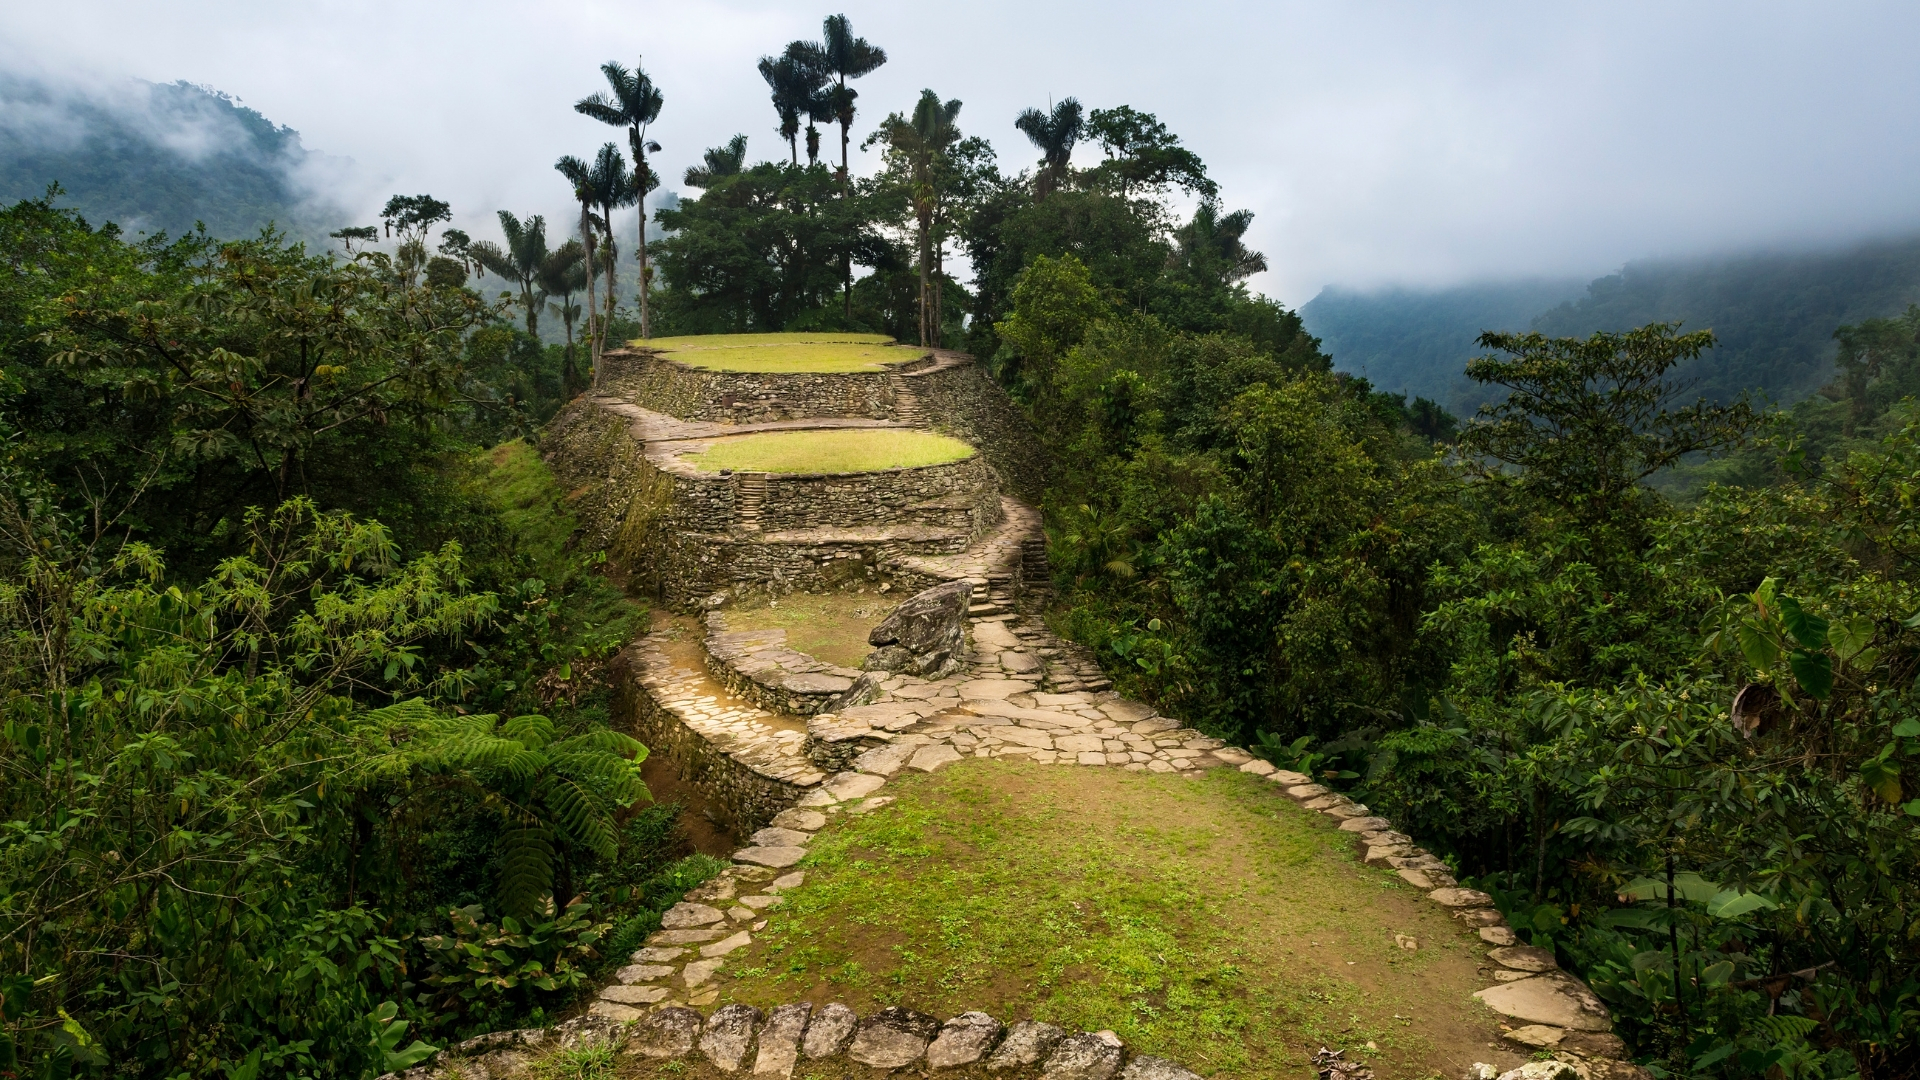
pixel 841 450
pixel 1209 921
pixel 790 353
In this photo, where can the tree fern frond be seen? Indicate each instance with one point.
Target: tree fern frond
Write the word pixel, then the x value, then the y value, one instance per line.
pixel 601 741
pixel 526 871
pixel 580 816
pixel 532 731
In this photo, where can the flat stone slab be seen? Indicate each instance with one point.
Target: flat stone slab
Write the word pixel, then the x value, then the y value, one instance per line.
pixel 1258 768
pixel 994 633
pixel 794 817
pixel 830 1031
pixel 633 995
pixel 810 682
pixel 931 757
pixel 853 785
pixel 780 1040
pixel 726 945
pixel 1498 935
pixel 892 1038
pixel 1524 958
pixel 1365 824
pixel 775 836
pixel 639 973
pixel 1027 1043
pixel 1555 999
pixel 683 937
pixel 994 688
pixel 776 857
pixel 1124 711
pixel 964 1040
pixel 698 972
pixel 884 760
pixel 667 1032
pixel 1086 1056
pixel 728 1035
pixel 1149 1067
pixel 1460 898
pixel 684 916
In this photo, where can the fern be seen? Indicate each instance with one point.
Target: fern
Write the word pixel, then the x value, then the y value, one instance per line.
pixel 1782 1029
pixel 526 871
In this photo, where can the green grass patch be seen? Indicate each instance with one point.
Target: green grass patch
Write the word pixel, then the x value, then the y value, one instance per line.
pixel 530 503
pixel 818 353
pixel 1207 920
pixel 826 626
pixel 831 450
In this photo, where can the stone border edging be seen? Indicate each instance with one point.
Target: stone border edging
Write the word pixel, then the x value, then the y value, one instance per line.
pixel 743 1038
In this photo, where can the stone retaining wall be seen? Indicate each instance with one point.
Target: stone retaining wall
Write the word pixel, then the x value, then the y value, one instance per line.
pixel 758 666
pixel 746 775
pixel 960 399
pixel 750 397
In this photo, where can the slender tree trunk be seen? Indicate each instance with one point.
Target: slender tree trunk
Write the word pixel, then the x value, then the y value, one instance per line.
pixel 926 259
pixel 846 177
pixel 1673 941
pixel 593 301
pixel 568 377
pixel 613 282
pixel 640 176
pixel 939 293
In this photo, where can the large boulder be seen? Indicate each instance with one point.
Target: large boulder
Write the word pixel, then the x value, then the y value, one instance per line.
pixel 925 635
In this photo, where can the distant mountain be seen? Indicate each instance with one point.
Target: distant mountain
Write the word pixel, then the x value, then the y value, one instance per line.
pixel 155 157
pixel 1774 315
pixel 1419 341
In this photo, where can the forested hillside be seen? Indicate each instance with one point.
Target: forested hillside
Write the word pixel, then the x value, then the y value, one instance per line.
pixel 156 157
pixel 1773 317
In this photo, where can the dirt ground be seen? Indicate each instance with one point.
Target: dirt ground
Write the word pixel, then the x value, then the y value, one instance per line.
pixel 1210 921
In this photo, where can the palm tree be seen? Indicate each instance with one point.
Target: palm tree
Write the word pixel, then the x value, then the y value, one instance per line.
pixel 795 88
pixel 520 263
pixel 633 102
pixel 720 163
pixel 613 189
pixel 580 175
pixel 837 58
pixel 1054 133
pixel 1213 245
pixel 922 141
pixel 562 274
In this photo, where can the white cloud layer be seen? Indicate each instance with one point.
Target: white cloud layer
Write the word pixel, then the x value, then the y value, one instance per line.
pixel 1377 143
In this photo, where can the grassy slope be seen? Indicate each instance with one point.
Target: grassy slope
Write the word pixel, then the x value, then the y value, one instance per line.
pixel 829 451
pixel 1210 921
pixel 725 341
pixel 824 359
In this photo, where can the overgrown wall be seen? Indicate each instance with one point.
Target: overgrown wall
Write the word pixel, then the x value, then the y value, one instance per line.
pixel 962 400
pixel 654 382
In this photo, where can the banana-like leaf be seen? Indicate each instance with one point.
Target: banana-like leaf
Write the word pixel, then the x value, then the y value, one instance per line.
pixel 1732 903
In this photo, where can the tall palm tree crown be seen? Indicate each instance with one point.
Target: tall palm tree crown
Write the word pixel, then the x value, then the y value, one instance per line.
pixel 719 163
pixel 561 274
pixel 632 102
pixel 840 56
pixel 1054 133
pixel 586 190
pixel 795 87
pixel 520 262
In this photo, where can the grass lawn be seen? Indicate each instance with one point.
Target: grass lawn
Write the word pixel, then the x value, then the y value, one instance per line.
pixel 1209 921
pixel 830 450
pixel 826 626
pixel 823 353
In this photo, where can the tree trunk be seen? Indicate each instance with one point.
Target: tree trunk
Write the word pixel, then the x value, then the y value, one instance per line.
pixel 613 281
pixel 640 176
pixel 567 376
pixel 926 258
pixel 939 293
pixel 593 300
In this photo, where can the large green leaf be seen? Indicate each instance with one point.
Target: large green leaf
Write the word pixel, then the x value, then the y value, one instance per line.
pixel 1757 645
pixel 1849 636
pixel 1813 671
pixel 1732 903
pixel 1808 629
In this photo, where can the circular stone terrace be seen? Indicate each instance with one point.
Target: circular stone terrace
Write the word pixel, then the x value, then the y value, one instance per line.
pixel 793 750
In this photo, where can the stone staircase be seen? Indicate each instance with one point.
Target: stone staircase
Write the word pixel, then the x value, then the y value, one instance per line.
pixel 906 404
pixel 749 499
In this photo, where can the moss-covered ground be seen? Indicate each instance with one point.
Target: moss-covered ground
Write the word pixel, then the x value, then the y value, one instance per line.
pixel 831 450
pixel 1210 921
pixel 822 353
pixel 827 626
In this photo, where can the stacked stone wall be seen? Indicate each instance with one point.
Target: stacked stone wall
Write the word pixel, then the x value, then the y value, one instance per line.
pixel 962 400
pixel 750 397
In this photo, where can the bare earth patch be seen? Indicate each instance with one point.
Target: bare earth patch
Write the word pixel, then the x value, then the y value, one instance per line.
pixel 826 626
pixel 1210 921
pixel 833 450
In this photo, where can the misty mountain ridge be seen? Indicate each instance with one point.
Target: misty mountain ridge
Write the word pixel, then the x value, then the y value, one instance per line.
pixel 156 157
pixel 1773 314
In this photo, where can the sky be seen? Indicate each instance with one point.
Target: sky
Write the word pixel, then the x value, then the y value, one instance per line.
pixel 1377 143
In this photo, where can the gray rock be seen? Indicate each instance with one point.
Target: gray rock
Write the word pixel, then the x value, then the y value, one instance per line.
pixel 1461 898
pixel 639 973
pixel 777 857
pixel 893 1037
pixel 830 1032
pixel 795 818
pixel 1153 1068
pixel 656 956
pixel 780 1040
pixel 890 658
pixel 698 972
pixel 684 937
pixel 685 916
pixel 1027 1043
pixel 728 1037
pixel 775 836
pixel 1086 1056
pixel 964 1040
pixel 813 682
pixel 1498 935
pixel 1553 999
pixel 931 757
pixel 884 760
pixel 1523 958
pixel 667 1032
pixel 865 690
pixel 632 995
pixel 926 621
pixel 726 945
pixel 1542 1070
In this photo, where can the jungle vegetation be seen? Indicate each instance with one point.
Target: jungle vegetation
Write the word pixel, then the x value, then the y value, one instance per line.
pixel 301 678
